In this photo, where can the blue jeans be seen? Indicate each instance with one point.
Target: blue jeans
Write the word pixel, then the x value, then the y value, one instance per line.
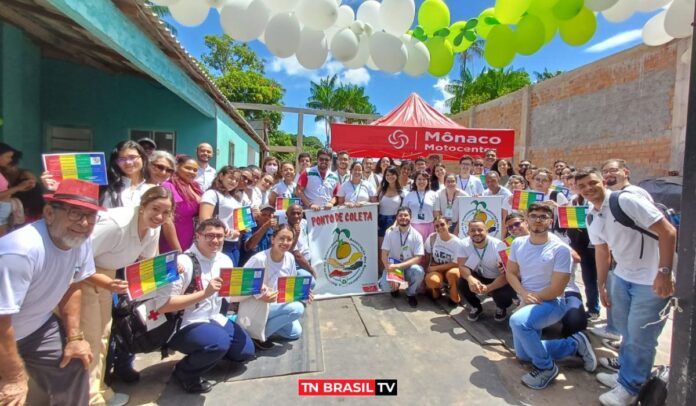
pixel 589 279
pixel 231 249
pixel 575 318
pixel 284 320
pixel 632 307
pixel 526 325
pixel 207 343
pixel 304 272
pixel 414 275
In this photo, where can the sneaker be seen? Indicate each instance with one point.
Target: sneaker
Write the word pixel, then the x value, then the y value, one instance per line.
pixel 412 301
pixel 591 316
pixel 475 313
pixel 540 378
pixel 585 351
pixel 618 396
pixel 500 314
pixel 608 380
pixel 603 333
pixel 395 293
pixel 262 345
pixel 611 344
pixel 119 399
pixel 128 375
pixel 610 363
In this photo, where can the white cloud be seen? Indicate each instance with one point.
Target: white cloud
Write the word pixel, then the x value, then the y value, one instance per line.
pixel 291 67
pixel 359 77
pixel 616 41
pixel 441 86
pixel 319 129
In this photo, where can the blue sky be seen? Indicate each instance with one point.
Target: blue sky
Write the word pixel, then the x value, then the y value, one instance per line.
pixel 386 91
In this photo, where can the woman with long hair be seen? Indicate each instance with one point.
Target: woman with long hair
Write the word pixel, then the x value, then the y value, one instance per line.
pixel 162 166
pixel 504 169
pixel 262 190
pixel 381 167
pixel 421 200
pixel 177 232
pixel 390 198
pixel 218 201
pixel 437 178
pixel 356 191
pixel 446 205
pixel 127 174
pixel 405 172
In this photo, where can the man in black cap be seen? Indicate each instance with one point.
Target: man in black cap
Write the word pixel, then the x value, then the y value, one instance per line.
pixel 148 145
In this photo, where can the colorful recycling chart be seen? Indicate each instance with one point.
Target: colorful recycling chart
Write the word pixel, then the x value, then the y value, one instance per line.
pixel 522 199
pixel 241 281
pixel 293 288
pixel 151 274
pixel 242 219
pixel 89 166
pixel 282 203
pixel 572 217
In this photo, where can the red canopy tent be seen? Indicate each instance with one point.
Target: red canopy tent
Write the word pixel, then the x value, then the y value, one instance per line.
pixel 416 129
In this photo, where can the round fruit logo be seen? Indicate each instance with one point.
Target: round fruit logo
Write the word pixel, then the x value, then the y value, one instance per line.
pixel 344 260
pixel 481 213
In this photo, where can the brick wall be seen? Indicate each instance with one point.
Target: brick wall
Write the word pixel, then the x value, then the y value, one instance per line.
pixel 627 106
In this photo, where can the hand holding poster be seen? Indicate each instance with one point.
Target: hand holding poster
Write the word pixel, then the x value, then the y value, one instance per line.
pixel 488 209
pixel 395 275
pixel 241 281
pixel 151 274
pixel 89 166
pixel 522 199
pixel 504 254
pixel 293 288
pixel 243 219
pixel 572 217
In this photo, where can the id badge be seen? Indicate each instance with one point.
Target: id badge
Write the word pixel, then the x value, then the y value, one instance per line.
pixel 448 213
pixel 421 216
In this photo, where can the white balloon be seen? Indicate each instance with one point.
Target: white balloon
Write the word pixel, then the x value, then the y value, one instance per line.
pixel 244 20
pixel 189 12
pixel 649 5
pixel 281 6
pixel 346 15
pixel 599 5
pixel 312 51
pixel 362 55
pixel 418 56
pixel 165 2
pixel 654 31
pixel 344 45
pixel 368 29
pixel 396 16
pixel 371 64
pixel 620 11
pixel 368 12
pixel 678 19
pixel 282 35
pixel 388 52
pixel 357 27
pixel 218 4
pixel 330 32
pixel 317 14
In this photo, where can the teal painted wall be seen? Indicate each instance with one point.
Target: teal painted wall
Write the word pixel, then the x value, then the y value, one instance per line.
pixel 20 69
pixel 229 131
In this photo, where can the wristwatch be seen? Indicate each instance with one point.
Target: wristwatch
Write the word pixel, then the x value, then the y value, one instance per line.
pixel 664 270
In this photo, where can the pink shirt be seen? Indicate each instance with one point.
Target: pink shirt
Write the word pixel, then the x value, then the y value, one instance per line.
pixel 183 220
pixel 3 183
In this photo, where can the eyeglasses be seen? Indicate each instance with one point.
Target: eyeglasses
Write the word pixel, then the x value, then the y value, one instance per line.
pixel 514 225
pixel 324 159
pixel 535 217
pixel 542 180
pixel 490 156
pixel 440 225
pixel 163 168
pixel 213 236
pixel 127 159
pixel 610 170
pixel 523 165
pixel 77 214
pixel 478 164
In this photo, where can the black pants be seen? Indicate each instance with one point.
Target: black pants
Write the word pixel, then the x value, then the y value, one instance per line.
pixel 502 296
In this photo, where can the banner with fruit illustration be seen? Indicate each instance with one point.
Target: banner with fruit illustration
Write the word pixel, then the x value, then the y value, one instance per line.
pixel 488 209
pixel 343 248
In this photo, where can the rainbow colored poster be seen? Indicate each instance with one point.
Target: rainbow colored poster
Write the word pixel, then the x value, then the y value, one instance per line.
pixel 282 203
pixel 521 199
pixel 293 288
pixel 395 275
pixel 241 281
pixel 561 189
pixel 242 219
pixel 89 166
pixel 151 274
pixel 503 254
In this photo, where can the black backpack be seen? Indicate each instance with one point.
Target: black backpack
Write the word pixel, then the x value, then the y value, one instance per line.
pixel 130 331
pixel 654 392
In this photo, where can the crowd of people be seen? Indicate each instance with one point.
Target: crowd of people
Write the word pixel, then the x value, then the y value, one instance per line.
pixel 68 251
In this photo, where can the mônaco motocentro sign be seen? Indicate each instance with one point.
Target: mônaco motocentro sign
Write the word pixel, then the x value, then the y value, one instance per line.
pixel 413 142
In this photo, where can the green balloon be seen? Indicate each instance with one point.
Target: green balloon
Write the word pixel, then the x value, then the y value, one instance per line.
pixel 567 9
pixel 499 50
pixel 579 29
pixel 441 56
pixel 483 28
pixel 510 11
pixel 433 15
pixel 455 31
pixel 539 5
pixel 550 23
pixel 530 35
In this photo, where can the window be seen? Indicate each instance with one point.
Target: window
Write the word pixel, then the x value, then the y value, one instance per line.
pixel 165 140
pixel 67 139
pixel 230 154
pixel 251 156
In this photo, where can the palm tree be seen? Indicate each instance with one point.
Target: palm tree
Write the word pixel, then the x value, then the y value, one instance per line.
pixel 323 96
pixel 352 98
pixel 458 88
pixel 474 51
pixel 546 74
pixel 162 11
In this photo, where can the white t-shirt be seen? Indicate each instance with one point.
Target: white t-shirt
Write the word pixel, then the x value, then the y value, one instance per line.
pixel 282 189
pixel 484 260
pixel 360 193
pixel 303 241
pixel 472 186
pixel 130 197
pixel 537 263
pixel 625 243
pixel 443 252
pixel 389 205
pixel 449 207
pixel 274 270
pixel 116 242
pixel 502 191
pixel 35 274
pixel 205 177
pixel 638 191
pixel 422 205
pixel 226 206
pixel 403 246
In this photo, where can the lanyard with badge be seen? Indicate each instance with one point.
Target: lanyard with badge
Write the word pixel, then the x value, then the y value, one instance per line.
pixel 356 192
pixel 403 247
pixel 463 186
pixel 421 202
pixel 289 190
pixel 448 210
pixel 479 267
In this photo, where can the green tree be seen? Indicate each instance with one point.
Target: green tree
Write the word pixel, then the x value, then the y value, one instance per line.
pixel 470 54
pixel 546 74
pixel 225 54
pixel 310 144
pixel 489 85
pixel 352 98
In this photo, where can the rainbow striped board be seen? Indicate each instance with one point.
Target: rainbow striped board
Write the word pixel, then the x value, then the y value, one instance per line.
pixel 89 166
pixel 508 240
pixel 241 281
pixel 282 203
pixel 503 254
pixel 522 199
pixel 151 274
pixel 293 288
pixel 242 219
pixel 396 275
pixel 572 217
pixel 561 189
